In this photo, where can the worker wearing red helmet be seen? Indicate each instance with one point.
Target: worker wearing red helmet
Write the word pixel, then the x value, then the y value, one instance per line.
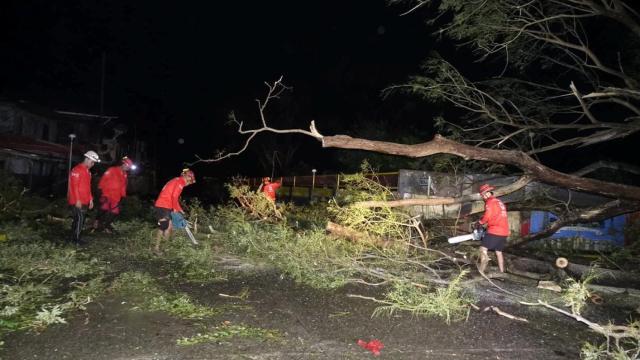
pixel 496 221
pixel 113 187
pixel 169 201
pixel 79 193
pixel 269 188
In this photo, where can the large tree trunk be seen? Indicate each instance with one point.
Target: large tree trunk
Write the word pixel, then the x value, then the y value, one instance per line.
pixel 441 145
pixel 522 182
pixel 608 277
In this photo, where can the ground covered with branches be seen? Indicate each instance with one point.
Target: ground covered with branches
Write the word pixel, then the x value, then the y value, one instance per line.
pixel 274 285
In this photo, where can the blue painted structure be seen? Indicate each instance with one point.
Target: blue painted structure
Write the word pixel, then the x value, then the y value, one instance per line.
pixel 597 235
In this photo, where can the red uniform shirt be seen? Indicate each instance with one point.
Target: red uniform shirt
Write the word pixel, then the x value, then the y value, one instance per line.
pixel 79 185
pixel 169 197
pixel 495 216
pixel 113 183
pixel 269 190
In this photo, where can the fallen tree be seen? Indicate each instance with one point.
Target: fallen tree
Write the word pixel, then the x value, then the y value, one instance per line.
pixel 628 196
pixel 601 276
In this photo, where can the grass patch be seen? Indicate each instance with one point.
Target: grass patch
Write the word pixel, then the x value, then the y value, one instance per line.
pixel 145 294
pixel 41 281
pixel 224 332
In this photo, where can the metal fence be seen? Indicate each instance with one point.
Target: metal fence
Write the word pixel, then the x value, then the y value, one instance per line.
pixel 320 187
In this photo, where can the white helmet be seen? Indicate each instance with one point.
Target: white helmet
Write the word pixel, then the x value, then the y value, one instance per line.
pixel 91 155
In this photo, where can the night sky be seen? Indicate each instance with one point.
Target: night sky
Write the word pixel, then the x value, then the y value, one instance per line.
pixel 176 70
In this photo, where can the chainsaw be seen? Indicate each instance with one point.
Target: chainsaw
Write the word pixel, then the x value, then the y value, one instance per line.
pixel 477 234
pixel 179 222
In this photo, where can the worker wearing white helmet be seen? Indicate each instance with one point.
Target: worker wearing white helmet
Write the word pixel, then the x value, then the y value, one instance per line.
pixel 79 193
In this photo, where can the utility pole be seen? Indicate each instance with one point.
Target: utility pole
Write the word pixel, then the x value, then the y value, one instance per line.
pixel 71 137
pixel 313 184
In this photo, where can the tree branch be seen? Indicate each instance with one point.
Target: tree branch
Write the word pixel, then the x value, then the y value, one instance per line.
pixel 519 184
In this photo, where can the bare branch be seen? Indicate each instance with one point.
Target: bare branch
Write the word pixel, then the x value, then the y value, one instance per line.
pixel 274 91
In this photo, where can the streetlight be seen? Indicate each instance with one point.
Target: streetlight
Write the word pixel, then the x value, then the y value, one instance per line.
pixel 313 183
pixel 71 137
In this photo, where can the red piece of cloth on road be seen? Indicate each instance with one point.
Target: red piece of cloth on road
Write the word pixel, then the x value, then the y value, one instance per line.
pixel 374 346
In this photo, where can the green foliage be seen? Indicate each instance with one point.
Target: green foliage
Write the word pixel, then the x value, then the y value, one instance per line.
pixel 187 262
pixel 41 281
pixel 311 258
pixel 148 295
pixel 383 221
pixel 180 306
pixel 46 317
pixel 308 256
pixel 254 203
pixel 221 333
pixel 312 216
pixel 40 259
pixel 576 293
pixel 623 348
pixel 447 303
pixel 135 282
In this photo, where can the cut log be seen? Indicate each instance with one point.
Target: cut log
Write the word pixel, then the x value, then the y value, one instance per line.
pixel 519 263
pixel 562 262
pixel 355 236
pixel 607 277
pixel 528 274
pixel 612 290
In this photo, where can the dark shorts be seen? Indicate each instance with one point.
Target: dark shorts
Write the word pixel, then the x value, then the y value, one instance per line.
pixel 494 242
pixel 163 215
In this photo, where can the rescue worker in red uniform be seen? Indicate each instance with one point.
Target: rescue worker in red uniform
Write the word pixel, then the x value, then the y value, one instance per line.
pixel 79 193
pixel 169 201
pixel 496 221
pixel 113 187
pixel 269 188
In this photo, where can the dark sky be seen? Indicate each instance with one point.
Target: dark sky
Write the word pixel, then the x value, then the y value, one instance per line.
pixel 175 70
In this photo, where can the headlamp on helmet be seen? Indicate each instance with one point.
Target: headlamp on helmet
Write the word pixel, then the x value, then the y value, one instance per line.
pixel 189 175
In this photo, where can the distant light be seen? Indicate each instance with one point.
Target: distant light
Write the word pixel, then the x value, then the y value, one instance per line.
pixel 180 141
pixel 133 167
